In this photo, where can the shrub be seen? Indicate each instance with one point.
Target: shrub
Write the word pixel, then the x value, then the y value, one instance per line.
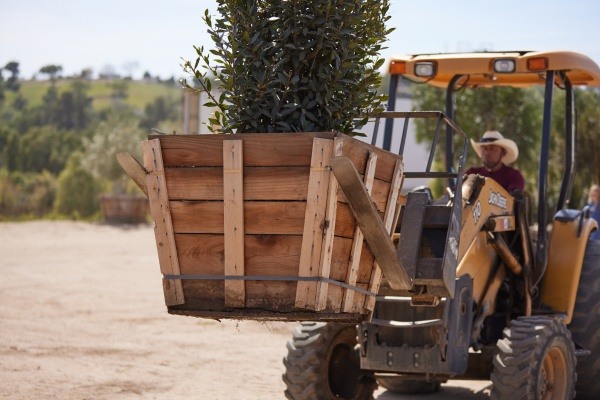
pixel 77 191
pixel 26 194
pixel 300 65
pixel 118 133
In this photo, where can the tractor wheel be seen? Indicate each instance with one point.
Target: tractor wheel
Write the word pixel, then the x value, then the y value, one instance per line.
pixel 323 363
pixel 401 385
pixel 585 324
pixel 535 360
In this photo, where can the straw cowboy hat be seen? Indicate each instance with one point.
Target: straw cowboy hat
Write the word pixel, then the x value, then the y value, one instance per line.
pixel 496 138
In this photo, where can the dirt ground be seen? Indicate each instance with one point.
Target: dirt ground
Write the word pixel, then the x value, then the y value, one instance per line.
pixel 82 316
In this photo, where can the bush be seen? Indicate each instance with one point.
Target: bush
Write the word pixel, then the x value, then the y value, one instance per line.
pixel 26 194
pixel 119 133
pixel 77 191
pixel 299 65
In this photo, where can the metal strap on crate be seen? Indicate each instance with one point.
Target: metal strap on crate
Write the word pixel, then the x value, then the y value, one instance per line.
pixel 270 278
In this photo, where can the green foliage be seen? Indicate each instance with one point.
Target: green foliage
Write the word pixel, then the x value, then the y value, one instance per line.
pixel 77 191
pixel 293 65
pixel 26 194
pixel 45 148
pixel 517 113
pixel 587 145
pixel 44 124
pixel 51 70
pixel 161 109
pixel 69 110
pixel 119 133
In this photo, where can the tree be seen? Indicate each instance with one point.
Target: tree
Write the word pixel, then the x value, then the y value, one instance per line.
pixel 12 83
pixel 77 190
pixel 587 146
pixel 517 113
pixel 161 109
pixel 72 109
pixel 51 70
pixel 86 74
pixel 300 65
pixel 118 133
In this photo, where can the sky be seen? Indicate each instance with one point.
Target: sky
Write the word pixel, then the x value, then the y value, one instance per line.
pixel 131 37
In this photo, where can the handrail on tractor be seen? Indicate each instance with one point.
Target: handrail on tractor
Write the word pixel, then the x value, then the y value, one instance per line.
pixel 442 119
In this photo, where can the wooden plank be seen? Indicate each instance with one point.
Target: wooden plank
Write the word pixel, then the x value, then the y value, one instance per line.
pixel 270 255
pixel 163 227
pixel 283 149
pixel 379 194
pixel 357 244
pixel 357 151
pixel 260 183
pixel 233 199
pixel 260 217
pixel 373 229
pixel 327 248
pixel 265 255
pixel 134 170
pixel 312 236
pixel 390 219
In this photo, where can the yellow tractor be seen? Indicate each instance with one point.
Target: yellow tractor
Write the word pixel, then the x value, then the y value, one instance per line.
pixel 475 290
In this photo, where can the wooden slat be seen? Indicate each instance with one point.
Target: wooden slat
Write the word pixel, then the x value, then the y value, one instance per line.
pixel 358 151
pixel 390 219
pixel 233 199
pixel 260 217
pixel 379 193
pixel 376 234
pixel 330 222
pixel 206 150
pixel 312 236
pixel 134 170
pixel 163 227
pixel 260 183
pixel 357 244
pixel 270 255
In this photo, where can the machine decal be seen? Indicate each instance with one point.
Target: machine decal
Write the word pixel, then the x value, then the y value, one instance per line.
pixel 498 200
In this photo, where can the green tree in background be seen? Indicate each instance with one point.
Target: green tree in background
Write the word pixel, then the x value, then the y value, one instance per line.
pixel 118 133
pixel 12 83
pixel 587 145
pixel 517 113
pixel 52 71
pixel 77 191
pixel 161 109
pixel 514 112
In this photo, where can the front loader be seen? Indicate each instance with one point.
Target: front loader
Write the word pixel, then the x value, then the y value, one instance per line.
pixel 473 288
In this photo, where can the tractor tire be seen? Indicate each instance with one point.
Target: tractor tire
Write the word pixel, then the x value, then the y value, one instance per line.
pixel 585 324
pixel 535 360
pixel 400 385
pixel 323 363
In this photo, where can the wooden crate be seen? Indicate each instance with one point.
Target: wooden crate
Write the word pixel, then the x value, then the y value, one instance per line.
pixel 253 226
pixel 124 208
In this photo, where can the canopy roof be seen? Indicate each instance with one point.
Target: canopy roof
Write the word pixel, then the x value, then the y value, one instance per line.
pixel 511 68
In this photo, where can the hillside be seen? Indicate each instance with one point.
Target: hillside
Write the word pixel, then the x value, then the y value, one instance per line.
pixel 139 93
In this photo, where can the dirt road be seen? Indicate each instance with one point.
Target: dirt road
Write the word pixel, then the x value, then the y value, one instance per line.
pixel 82 317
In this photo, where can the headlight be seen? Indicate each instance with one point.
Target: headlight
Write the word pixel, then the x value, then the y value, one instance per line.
pixel 425 69
pixel 504 65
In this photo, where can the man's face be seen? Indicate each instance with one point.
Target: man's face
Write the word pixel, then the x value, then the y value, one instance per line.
pixel 491 156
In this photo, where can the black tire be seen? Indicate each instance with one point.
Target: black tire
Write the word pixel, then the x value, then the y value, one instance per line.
pixel 535 360
pixel 323 363
pixel 585 324
pixel 401 385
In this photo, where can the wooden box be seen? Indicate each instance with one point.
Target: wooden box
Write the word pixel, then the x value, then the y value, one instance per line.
pixel 253 226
